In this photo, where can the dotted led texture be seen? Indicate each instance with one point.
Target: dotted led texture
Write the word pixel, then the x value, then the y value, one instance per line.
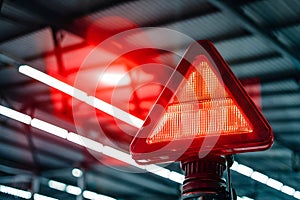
pixel 202 107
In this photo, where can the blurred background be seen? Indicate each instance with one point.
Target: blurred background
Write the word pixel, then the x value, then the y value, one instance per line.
pixel 122 52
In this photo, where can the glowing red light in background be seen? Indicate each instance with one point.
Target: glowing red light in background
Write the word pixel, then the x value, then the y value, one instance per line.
pixel 123 83
pixel 253 88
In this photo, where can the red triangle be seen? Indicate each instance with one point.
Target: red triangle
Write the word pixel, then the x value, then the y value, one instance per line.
pixel 205 108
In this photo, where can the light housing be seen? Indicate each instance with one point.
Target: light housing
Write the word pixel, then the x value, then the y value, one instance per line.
pixel 203 109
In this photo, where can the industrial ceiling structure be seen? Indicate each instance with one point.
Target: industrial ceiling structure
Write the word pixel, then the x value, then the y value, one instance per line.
pixel 96 47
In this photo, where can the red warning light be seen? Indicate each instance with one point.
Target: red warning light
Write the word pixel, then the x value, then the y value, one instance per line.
pixel 202 108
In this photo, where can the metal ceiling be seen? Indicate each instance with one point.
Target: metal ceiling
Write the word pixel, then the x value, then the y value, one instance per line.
pixel 259 40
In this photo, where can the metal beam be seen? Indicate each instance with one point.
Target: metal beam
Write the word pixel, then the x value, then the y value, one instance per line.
pixel 195 13
pixel 48 17
pixel 274 77
pixel 12 167
pixel 261 32
pixel 65 49
pixel 289 24
pixel 270 107
pixel 256 58
pixel 48 154
pixel 20 178
pixel 44 137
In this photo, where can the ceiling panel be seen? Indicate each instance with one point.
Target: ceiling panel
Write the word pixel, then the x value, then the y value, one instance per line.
pixel 245 40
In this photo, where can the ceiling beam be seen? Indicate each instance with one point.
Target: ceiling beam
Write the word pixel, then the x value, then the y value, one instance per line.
pixel 194 13
pixel 48 17
pixel 20 178
pixel 282 106
pixel 287 24
pixel 49 154
pixel 65 49
pixel 256 58
pixel 237 15
pixel 274 77
pixel 136 181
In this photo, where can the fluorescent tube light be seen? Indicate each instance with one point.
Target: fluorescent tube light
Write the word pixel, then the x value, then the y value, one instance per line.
pixel 94 196
pixel 73 190
pixel 244 198
pixel 52 82
pixel 85 142
pixel 288 190
pixel 76 172
pixel 115 112
pixel 297 194
pixel 234 166
pixel 115 79
pixel 57 185
pixel 80 95
pixel 160 171
pixel 15 115
pixel 50 128
pixel 259 177
pixel 42 197
pixel 119 155
pixel 15 192
pixel 104 197
pixel 274 184
pixel 176 177
pixel 243 169
pixel 89 195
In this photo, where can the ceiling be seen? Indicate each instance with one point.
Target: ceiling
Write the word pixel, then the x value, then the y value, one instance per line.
pixel 74 41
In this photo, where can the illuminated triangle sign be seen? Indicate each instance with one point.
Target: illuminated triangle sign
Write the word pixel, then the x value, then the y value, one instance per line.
pixel 202 109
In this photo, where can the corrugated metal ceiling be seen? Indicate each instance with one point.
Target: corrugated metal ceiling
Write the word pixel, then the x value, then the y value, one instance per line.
pixel 27 33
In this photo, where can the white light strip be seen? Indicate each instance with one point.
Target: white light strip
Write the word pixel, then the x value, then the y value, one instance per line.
pixel 80 95
pixel 288 190
pixel 73 190
pixel 15 192
pixel 85 142
pixel 247 171
pixel 52 82
pixel 242 169
pixel 89 195
pixel 260 177
pixel 176 177
pixel 57 185
pixel 94 196
pixel 155 169
pixel 274 184
pixel 115 112
pixel 50 128
pixel 77 172
pixel 42 197
pixel 160 171
pixel 297 194
pixel 15 115
pixel 119 155
pixel 244 198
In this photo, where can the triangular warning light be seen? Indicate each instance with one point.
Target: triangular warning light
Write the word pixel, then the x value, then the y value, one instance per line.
pixel 203 109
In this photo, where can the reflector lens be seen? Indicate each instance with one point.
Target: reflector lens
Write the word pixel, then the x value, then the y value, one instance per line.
pixel 202 107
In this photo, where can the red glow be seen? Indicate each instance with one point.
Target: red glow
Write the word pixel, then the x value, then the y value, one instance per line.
pixel 253 88
pixel 101 69
pixel 202 108
pixel 208 111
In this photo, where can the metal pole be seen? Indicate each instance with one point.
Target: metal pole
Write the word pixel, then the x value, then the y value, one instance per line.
pixel 204 178
pixel 81 184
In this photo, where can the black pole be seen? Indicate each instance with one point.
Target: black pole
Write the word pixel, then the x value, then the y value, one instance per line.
pixel 204 178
